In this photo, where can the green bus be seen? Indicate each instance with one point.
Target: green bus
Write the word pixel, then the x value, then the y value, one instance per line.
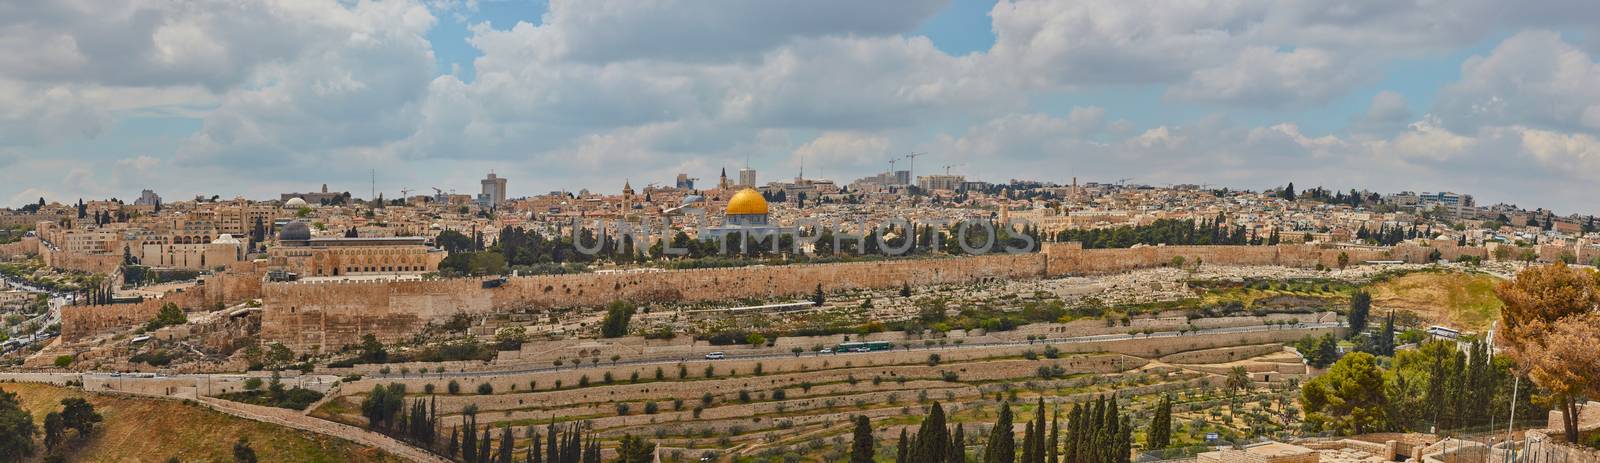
pixel 872 346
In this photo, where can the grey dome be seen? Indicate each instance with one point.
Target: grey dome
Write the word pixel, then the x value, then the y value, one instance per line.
pixel 295 231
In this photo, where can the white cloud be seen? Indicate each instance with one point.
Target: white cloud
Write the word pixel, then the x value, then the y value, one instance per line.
pixel 1262 76
pixel 1387 114
pixel 1533 78
pixel 843 150
pixel 603 31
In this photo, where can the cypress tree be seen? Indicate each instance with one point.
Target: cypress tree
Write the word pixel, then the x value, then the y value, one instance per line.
pixel 1002 446
pixel 1159 435
pixel 455 443
pixel 1038 433
pixel 958 446
pixel 469 440
pixel 862 449
pixel 1055 437
pixel 1029 438
pixel 1124 447
pixel 904 447
pixel 506 440
pixel 932 438
pixel 485 442
pixel 1074 434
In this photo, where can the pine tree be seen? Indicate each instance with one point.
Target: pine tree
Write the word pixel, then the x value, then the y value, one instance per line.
pixel 861 451
pixel 455 443
pixel 1002 446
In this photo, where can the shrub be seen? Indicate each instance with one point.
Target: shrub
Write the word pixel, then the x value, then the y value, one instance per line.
pixel 454 387
pixel 252 384
pixel 485 389
pixel 650 408
pixel 63 361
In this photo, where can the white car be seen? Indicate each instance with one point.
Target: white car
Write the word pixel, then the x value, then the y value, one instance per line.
pixel 716 356
pixel 825 350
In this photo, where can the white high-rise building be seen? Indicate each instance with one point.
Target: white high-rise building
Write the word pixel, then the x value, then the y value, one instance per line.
pixel 747 177
pixel 494 191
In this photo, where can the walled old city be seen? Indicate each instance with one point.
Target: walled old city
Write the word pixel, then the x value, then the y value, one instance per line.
pixel 792 320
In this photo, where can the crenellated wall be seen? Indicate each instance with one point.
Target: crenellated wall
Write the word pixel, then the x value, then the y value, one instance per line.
pixel 332 314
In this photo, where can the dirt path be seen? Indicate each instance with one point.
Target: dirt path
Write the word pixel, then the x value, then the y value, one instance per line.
pixel 294 419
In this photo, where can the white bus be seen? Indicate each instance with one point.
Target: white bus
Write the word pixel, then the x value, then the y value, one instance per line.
pixel 1443 332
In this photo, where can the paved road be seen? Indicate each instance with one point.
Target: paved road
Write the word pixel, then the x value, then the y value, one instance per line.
pixel 990 345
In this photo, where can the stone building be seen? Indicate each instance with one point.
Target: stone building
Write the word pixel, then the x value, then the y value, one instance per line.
pixel 300 253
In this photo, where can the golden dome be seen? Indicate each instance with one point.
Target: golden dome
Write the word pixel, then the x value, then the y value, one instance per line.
pixel 747 202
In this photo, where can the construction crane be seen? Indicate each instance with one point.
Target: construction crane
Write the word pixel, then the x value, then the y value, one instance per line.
pixel 891 166
pixel 405 193
pixel 1123 181
pixel 912 168
pixel 947 168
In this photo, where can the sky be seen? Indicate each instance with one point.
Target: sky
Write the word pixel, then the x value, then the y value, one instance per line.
pixel 218 97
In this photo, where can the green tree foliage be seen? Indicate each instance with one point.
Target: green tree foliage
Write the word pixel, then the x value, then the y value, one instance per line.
pixel 818 298
pixel 1360 308
pixel 474 264
pixel 1097 432
pixel 618 314
pixel 16 428
pixel 861 448
pixel 169 315
pixel 383 405
pixel 1349 398
pixel 635 450
pixel 1002 447
pixel 79 415
pixel 55 431
pixel 506 440
pixel 242 452
pixel 1159 434
pixel 372 351
pixel 1162 231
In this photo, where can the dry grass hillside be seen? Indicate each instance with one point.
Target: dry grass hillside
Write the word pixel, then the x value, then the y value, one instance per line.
pixel 1458 299
pixel 150 430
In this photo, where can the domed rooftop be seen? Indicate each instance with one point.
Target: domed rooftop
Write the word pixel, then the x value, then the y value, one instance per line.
pixel 691 199
pixel 747 202
pixel 225 239
pixel 295 231
pixel 295 203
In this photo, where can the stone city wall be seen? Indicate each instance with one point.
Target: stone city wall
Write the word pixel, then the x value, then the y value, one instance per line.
pixel 330 315
pixel 1073 259
pixel 227 288
pixel 91 263
pixel 27 246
